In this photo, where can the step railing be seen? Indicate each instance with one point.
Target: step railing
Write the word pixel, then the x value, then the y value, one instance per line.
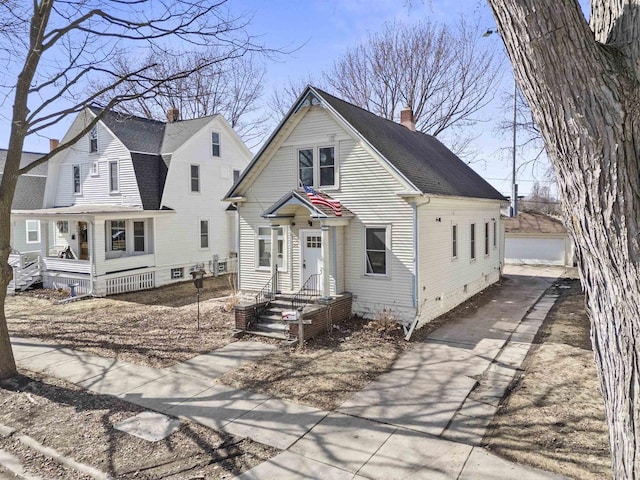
pixel 26 271
pixel 309 292
pixel 266 295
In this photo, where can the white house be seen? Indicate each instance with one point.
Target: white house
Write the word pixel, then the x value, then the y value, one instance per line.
pixel 536 239
pixel 418 231
pixel 136 203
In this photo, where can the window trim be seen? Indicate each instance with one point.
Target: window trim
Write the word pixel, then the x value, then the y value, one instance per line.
pixel 387 244
pixel 29 230
pixel 73 179
pixel 235 175
pixel 144 236
pixel 472 241
pixel 117 164
pixel 191 178
pixel 284 253
pixel 93 139
pixel 315 164
pixel 213 144
pixel 177 273
pixel 495 233
pixel 109 243
pixel 454 241
pixel 200 220
pixel 95 169
pixel 487 239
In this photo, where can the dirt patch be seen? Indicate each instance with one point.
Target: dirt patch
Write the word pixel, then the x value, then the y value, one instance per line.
pixel 78 424
pixel 156 328
pixel 554 417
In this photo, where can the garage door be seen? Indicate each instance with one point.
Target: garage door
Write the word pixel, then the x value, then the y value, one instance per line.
pixel 534 251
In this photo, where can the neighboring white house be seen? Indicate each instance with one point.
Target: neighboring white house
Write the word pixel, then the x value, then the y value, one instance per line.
pixel 137 202
pixel 29 194
pixel 537 239
pixel 419 231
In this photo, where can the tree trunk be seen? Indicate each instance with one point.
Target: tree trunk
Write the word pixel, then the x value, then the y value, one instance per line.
pixel 583 93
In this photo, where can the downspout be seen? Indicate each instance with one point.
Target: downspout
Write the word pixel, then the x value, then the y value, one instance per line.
pixel 416 244
pixel 237 205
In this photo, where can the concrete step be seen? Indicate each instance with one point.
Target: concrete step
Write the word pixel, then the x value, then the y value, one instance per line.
pixel 270 326
pixel 275 335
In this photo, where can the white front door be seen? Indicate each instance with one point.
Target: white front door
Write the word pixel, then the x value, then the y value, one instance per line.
pixel 311 253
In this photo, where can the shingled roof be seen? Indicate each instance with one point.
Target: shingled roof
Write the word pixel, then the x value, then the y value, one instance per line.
pixel 29 194
pixel 151 143
pixel 421 158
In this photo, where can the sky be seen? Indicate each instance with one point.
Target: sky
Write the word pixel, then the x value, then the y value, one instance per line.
pixel 320 31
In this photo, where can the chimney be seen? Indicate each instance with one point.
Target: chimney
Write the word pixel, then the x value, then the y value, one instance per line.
pixel 173 115
pixel 406 118
pixel 53 144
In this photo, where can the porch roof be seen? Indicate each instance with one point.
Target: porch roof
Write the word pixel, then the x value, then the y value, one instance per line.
pixel 89 211
pixel 299 198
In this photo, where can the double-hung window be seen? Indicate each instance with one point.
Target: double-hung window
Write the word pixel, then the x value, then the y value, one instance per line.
pixel 118 235
pixel 77 184
pixel 495 234
pixel 236 175
pixel 114 181
pixel 138 236
pixel 93 140
pixel 33 231
pixel 204 234
pixel 195 178
pixel 215 144
pixel 376 251
pixel 454 241
pixel 486 238
pixel 264 247
pixel 317 167
pixel 472 236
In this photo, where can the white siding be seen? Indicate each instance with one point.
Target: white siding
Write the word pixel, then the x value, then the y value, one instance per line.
pixel 444 282
pixel 95 188
pixel 178 236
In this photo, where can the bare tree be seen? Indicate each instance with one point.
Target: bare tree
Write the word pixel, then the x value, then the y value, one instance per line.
pixel 283 97
pixel 53 49
pixel 540 200
pixel 446 75
pixel 581 80
pixel 229 86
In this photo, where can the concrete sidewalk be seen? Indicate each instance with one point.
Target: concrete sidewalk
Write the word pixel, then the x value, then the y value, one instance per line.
pixel 424 419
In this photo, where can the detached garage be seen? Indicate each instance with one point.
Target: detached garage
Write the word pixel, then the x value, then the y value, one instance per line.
pixel 537 239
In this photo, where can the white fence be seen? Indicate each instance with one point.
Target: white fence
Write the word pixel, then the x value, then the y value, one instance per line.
pixel 130 283
pixel 62 281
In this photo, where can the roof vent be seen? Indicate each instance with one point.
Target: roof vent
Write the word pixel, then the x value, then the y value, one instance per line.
pixel 406 118
pixel 173 115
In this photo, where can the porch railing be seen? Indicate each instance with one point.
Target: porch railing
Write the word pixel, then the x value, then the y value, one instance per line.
pixel 308 293
pixel 266 295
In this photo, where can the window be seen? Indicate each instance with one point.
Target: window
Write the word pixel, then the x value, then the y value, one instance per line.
pixel 138 236
pixel 113 177
pixel 486 238
pixel 93 140
pixel 215 144
pixel 195 178
pixel 204 233
pixel 94 169
pixel 63 226
pixel 33 231
pixel 473 241
pixel 177 273
pixel 320 173
pixel 77 185
pixel 376 250
pixel 495 234
pixel 327 166
pixel 454 241
pixel 118 236
pixel 305 166
pixel 236 176
pixel 264 247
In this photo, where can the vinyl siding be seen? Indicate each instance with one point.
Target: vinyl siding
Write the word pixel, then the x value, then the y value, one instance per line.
pixel 95 189
pixel 442 278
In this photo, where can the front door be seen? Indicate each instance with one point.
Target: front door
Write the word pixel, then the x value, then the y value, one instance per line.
pixel 311 250
pixel 83 240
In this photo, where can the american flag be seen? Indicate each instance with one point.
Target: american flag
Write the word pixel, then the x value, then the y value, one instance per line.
pixel 318 199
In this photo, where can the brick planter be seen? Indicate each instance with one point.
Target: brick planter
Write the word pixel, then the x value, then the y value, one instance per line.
pixel 323 315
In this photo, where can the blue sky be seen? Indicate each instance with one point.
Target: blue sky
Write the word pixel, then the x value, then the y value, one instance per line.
pixel 325 29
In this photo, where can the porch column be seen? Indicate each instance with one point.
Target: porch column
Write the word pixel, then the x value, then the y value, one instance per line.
pixel 274 251
pixel 325 291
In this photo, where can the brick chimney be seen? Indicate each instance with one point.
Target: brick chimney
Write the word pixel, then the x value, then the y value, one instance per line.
pixel 173 115
pixel 406 118
pixel 53 144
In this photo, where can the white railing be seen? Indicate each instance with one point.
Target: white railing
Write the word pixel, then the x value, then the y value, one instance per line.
pixel 66 265
pixel 130 283
pixel 26 270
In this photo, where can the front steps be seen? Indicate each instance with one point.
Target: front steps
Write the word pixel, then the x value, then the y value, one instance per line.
pixel 270 323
